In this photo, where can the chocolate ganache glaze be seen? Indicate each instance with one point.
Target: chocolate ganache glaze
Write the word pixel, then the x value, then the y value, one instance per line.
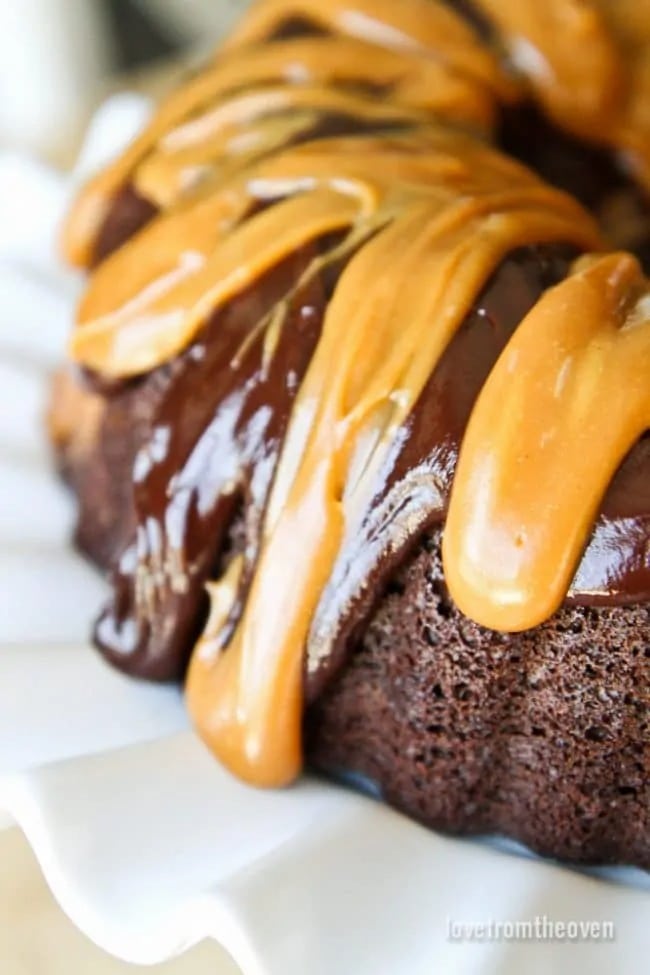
pixel 199 419
pixel 363 321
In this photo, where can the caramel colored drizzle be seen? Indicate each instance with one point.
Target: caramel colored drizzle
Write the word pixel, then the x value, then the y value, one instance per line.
pixel 434 64
pixel 163 318
pixel 572 383
pixel 436 211
pixel 418 278
pixel 415 27
pixel 587 63
pixel 148 300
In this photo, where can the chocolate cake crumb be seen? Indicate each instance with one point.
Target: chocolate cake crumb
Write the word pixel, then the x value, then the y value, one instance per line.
pixel 540 736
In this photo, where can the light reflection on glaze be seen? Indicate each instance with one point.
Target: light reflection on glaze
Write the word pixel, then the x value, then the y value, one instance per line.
pixel 571 383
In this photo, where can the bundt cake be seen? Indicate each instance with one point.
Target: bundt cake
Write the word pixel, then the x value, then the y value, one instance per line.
pixel 357 408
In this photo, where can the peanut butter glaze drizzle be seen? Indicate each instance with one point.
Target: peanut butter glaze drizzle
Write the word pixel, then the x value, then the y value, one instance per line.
pixel 586 63
pixel 572 383
pixel 416 217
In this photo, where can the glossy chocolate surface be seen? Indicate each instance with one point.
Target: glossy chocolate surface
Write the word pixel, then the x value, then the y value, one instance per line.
pixel 213 448
pixel 211 455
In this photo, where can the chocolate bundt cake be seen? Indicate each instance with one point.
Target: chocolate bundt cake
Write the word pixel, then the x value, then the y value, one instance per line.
pixel 358 405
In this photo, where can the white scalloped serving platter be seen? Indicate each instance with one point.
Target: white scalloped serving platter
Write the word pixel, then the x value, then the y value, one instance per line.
pixel 148 845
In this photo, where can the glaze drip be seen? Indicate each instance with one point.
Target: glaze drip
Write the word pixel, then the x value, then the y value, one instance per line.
pixel 571 383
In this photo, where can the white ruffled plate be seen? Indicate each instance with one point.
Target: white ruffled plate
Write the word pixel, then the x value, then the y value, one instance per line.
pixel 148 845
